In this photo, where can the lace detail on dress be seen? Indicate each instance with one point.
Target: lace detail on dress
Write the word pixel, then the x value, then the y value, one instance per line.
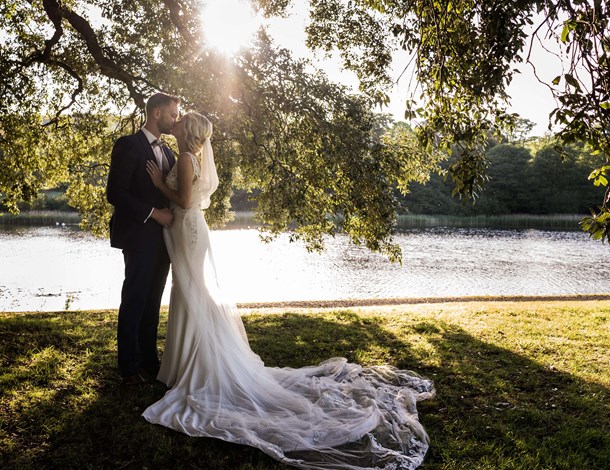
pixel 190 224
pixel 205 182
pixel 196 166
pixel 171 180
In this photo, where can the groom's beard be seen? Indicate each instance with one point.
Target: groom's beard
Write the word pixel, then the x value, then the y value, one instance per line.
pixel 165 129
pixel 165 124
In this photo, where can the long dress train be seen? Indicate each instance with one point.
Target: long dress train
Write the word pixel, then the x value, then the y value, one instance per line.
pixel 335 415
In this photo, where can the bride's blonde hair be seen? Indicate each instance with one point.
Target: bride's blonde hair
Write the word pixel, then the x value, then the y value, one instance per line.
pixel 198 128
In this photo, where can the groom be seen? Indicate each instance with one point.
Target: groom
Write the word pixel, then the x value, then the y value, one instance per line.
pixel 136 227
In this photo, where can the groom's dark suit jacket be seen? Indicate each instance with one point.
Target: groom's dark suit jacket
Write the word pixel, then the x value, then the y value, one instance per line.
pixel 133 195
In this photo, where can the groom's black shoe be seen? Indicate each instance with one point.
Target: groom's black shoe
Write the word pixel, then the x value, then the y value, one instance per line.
pixel 150 374
pixel 133 380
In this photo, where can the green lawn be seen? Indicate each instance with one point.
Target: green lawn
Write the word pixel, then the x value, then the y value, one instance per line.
pixel 520 385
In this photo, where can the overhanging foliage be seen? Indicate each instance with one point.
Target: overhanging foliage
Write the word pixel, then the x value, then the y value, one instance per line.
pixel 74 76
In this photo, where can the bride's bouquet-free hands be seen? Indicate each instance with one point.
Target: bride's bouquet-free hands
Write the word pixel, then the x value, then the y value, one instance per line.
pixel 163 216
pixel 156 175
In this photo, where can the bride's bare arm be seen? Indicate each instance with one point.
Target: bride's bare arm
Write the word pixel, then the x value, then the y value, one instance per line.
pixel 181 197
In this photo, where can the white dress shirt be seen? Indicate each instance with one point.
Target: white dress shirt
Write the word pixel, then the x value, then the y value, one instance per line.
pixel 155 148
pixel 158 154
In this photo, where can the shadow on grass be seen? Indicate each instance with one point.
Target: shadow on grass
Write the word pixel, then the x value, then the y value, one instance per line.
pixel 62 404
pixel 497 409
pixel 74 411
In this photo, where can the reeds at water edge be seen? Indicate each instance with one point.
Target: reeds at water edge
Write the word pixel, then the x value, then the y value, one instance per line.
pixel 564 222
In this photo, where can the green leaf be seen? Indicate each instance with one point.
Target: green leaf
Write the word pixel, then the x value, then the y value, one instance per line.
pixel 567 27
pixel 599 172
pixel 571 80
pixel 556 80
pixel 410 114
pixel 565 32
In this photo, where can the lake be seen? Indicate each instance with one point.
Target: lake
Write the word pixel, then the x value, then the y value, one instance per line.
pixel 53 268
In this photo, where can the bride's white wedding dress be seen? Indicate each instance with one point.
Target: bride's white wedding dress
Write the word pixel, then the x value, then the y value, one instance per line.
pixel 335 415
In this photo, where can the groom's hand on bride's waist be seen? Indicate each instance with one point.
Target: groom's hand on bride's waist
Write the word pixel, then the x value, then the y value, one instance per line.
pixel 163 217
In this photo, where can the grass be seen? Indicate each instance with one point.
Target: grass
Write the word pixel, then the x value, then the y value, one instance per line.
pixel 520 385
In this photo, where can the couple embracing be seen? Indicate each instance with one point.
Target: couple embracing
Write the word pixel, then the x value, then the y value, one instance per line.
pixel 335 415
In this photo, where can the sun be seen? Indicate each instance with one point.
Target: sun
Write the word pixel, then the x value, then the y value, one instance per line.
pixel 229 25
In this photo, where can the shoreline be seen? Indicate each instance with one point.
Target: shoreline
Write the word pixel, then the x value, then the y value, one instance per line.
pixel 248 307
pixel 346 303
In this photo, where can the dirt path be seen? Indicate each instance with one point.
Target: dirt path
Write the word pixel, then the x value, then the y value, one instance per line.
pixel 420 300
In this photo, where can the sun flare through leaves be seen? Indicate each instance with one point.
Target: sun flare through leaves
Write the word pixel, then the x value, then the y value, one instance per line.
pixel 229 25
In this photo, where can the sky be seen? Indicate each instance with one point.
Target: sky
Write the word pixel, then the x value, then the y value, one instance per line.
pixel 230 24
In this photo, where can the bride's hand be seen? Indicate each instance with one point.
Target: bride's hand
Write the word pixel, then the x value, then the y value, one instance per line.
pixel 156 175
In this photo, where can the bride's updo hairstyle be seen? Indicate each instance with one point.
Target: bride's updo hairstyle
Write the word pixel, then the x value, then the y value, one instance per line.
pixel 198 128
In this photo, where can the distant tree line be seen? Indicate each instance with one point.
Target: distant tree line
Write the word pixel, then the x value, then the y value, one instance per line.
pixel 530 178
pixel 524 177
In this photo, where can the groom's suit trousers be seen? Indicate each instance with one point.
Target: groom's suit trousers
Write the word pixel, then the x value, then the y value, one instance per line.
pixel 145 276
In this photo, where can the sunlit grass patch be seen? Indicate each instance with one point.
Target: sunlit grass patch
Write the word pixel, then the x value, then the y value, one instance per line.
pixel 519 385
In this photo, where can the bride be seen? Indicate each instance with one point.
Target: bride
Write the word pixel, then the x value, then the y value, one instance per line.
pixel 335 415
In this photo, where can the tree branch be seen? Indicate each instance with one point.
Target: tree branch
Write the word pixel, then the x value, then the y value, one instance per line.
pixel 175 14
pixel 107 67
pixel 75 93
pixel 56 13
pixel 52 13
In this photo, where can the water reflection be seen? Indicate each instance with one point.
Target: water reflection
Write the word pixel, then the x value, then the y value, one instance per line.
pixel 56 268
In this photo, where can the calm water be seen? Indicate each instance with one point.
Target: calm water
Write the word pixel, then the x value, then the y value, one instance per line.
pixel 47 268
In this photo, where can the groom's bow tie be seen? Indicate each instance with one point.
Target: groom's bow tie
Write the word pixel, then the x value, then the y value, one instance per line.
pixel 157 143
